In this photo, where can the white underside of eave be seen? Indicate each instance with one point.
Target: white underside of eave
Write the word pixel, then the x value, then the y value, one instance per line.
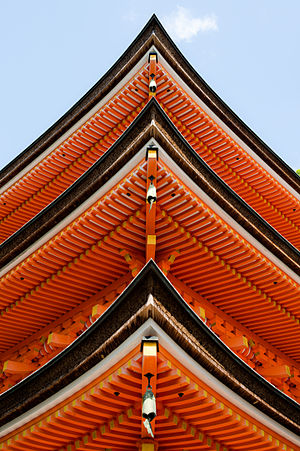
pixel 186 88
pixel 139 156
pixel 78 124
pixel 226 129
pixel 149 328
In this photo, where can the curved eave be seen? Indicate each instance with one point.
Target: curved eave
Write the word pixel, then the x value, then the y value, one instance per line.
pixel 175 317
pixel 107 82
pixel 151 123
pixel 152 34
pixel 185 70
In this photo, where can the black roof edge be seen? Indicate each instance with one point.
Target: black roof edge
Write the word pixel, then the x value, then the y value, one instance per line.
pixel 291 408
pixel 226 187
pixel 151 24
pixel 61 356
pixel 36 219
pixel 153 102
pixel 293 173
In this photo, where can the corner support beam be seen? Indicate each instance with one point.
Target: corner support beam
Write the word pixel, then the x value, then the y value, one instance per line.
pixel 152 74
pixel 149 348
pixel 151 158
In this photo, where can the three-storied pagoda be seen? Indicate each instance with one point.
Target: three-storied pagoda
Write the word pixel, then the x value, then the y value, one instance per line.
pixel 149 239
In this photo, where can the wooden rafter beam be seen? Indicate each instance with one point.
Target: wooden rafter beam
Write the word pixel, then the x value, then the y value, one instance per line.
pixel 152 74
pixel 236 167
pixel 135 263
pixel 186 242
pixel 66 163
pixel 149 375
pixel 249 346
pixel 42 346
pixel 187 434
pixel 189 414
pixel 152 157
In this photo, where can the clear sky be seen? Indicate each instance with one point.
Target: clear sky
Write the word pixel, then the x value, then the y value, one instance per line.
pixel 53 51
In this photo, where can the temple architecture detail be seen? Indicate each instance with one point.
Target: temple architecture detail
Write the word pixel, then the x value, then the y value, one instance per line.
pixel 150 273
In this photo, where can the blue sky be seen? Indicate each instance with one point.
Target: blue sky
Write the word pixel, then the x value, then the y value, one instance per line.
pixel 53 51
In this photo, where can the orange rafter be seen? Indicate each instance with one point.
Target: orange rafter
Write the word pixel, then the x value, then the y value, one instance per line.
pixel 232 163
pixel 239 270
pixel 135 264
pixel 99 396
pixel 73 265
pixel 46 343
pixel 187 230
pixel 205 412
pixel 59 169
pixel 166 261
pixel 257 353
pixel 149 367
pixel 107 413
pixel 152 157
pixel 65 164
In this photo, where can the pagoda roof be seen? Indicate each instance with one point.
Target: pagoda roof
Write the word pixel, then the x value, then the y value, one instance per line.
pixel 24 254
pixel 48 167
pixel 226 227
pixel 152 122
pixel 153 34
pixel 150 295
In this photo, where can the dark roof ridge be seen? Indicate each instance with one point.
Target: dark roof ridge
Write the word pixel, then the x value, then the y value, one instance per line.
pixel 138 134
pixel 172 314
pixel 153 33
pixel 261 229
pixel 98 174
pixel 139 46
pixel 202 89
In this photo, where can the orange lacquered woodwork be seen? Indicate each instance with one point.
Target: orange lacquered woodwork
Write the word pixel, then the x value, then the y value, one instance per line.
pixel 152 157
pixel 107 415
pixel 234 165
pixel 63 287
pixel 240 272
pixel 251 348
pixel 230 161
pixel 152 73
pixel 149 366
pixel 226 270
pixel 72 266
pixel 45 344
pixel 65 164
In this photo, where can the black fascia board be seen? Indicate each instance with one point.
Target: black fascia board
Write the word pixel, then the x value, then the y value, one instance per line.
pixel 204 91
pixel 58 372
pixel 220 181
pixel 151 110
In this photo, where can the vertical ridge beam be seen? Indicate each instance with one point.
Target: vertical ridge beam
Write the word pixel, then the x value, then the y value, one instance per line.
pixel 149 348
pixel 152 74
pixel 152 158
